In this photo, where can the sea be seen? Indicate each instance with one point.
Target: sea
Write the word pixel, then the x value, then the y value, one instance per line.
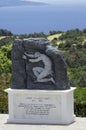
pixel 42 18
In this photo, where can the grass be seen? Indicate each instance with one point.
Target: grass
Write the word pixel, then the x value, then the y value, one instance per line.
pixel 51 37
pixel 2 37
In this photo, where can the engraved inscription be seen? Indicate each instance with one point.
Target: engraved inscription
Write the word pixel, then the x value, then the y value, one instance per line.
pixel 37 109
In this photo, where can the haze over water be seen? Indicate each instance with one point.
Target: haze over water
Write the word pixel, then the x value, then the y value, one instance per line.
pixel 42 18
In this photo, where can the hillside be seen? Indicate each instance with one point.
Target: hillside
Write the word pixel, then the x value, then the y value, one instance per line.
pixel 2 37
pixel 73 46
pixel 51 37
pixel 71 43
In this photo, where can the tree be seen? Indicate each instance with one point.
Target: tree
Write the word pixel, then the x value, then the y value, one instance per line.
pixel 5 61
pixel 4 32
pixel 84 30
pixel 54 32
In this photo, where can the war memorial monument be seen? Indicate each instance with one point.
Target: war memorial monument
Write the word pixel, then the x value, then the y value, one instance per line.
pixel 40 91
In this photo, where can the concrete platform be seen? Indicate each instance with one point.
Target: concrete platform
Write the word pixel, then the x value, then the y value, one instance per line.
pixel 79 124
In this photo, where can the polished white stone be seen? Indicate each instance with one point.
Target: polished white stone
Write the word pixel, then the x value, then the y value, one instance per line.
pixel 41 106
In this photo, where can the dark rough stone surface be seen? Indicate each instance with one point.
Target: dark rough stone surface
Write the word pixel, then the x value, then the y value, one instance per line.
pixel 22 69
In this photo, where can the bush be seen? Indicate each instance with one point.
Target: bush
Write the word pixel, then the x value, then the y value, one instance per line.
pixel 77 76
pixel 4 32
pixel 5 59
pixel 75 58
pixel 54 32
pixel 80 102
pixel 80 109
pixel 3 103
pixel 84 30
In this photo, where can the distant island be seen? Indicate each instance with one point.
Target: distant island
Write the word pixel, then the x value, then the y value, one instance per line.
pixel 7 3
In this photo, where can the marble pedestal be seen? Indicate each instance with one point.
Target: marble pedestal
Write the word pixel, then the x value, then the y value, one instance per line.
pixel 41 106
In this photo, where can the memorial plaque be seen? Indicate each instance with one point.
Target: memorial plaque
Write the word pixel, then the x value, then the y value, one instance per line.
pixel 35 107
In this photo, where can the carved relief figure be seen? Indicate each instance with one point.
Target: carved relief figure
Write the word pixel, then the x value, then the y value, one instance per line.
pixel 41 73
pixel 36 64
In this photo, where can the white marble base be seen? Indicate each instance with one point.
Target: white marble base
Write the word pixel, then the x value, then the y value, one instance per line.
pixel 41 106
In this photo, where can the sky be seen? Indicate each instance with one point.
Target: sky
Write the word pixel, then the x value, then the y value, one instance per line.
pixel 61 1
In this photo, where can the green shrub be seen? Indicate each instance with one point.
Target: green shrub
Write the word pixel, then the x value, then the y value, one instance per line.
pixel 80 109
pixel 5 32
pixel 77 76
pixel 3 100
pixel 80 102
